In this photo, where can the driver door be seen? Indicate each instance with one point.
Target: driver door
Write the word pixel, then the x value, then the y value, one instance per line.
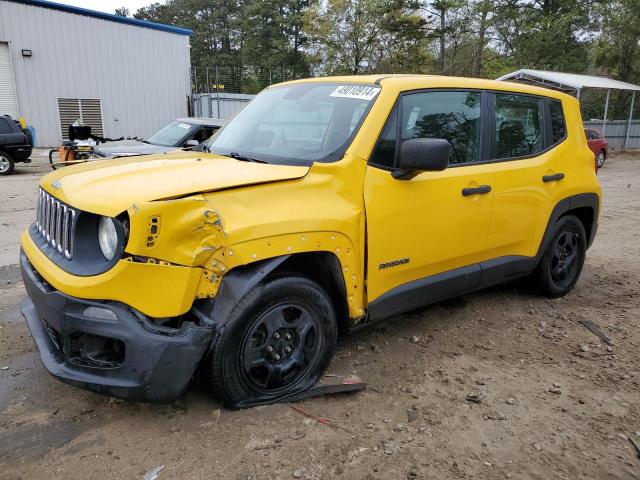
pixel 427 234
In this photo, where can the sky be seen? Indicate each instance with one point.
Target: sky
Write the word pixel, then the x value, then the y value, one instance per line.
pixel 109 6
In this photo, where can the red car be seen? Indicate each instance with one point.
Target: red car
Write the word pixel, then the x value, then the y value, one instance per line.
pixel 598 144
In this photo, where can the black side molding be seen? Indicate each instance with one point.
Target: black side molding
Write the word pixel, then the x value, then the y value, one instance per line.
pixel 582 200
pixel 237 283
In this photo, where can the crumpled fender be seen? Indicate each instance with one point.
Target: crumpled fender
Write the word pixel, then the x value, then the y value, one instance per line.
pixel 185 231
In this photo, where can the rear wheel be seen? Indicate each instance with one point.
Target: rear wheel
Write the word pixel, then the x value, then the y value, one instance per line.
pixel 6 163
pixel 600 158
pixel 278 341
pixel 562 261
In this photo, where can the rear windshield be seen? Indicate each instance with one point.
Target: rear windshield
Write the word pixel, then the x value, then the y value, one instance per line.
pixel 296 124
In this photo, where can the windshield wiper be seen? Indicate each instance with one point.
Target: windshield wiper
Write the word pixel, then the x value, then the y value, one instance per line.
pixel 244 158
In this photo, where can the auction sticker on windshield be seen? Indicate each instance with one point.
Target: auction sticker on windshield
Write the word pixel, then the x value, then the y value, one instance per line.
pixel 360 92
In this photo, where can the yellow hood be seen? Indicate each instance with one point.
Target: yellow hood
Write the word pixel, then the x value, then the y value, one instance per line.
pixel 108 187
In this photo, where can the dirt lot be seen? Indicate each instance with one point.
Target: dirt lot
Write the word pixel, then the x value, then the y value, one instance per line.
pixel 512 346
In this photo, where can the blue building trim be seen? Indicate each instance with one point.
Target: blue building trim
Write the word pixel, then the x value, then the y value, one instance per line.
pixel 106 16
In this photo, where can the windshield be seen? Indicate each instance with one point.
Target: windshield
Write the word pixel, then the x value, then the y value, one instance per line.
pixel 173 135
pixel 296 124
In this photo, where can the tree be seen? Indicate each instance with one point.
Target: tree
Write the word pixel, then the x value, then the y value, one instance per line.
pixel 544 34
pixel 122 12
pixel 365 36
pixel 617 50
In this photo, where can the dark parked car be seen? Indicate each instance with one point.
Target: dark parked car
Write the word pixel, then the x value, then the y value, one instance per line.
pixel 15 144
pixel 598 145
pixel 183 132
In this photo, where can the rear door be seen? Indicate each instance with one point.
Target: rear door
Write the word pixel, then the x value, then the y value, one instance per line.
pixel 528 165
pixel 431 223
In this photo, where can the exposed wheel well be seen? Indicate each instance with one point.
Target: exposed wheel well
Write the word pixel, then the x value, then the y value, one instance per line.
pixel 585 215
pixel 325 269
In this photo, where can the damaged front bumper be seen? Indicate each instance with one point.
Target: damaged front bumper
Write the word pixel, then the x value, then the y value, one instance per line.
pixel 107 346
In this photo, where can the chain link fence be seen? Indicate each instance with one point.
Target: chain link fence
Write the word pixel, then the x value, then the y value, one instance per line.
pixel 221 91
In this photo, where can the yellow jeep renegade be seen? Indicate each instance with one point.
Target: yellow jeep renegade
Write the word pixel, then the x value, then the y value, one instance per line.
pixel 324 205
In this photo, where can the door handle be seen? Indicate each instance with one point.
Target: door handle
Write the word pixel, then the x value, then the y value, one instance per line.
pixel 481 190
pixel 556 177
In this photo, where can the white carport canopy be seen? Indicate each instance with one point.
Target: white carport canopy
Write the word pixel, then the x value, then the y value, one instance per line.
pixel 572 82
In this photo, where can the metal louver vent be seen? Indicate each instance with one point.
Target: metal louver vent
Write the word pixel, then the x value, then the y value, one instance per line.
pixel 87 110
pixel 55 222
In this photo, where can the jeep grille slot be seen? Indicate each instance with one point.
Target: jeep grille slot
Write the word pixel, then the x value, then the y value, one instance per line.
pixel 54 221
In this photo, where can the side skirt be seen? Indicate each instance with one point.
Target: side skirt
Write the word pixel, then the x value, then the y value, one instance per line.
pixel 453 283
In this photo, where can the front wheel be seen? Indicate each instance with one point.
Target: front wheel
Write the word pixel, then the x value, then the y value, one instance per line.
pixel 6 163
pixel 562 261
pixel 277 343
pixel 600 158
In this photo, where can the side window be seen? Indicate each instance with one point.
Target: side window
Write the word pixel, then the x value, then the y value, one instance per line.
pixel 558 128
pixel 384 152
pixel 518 125
pixel 4 126
pixel 453 116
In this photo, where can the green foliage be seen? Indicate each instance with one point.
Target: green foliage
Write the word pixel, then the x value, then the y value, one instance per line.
pixel 245 45
pixel 616 52
pixel 366 36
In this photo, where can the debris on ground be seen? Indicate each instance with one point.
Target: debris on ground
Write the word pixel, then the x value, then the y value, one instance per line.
pixel 153 473
pixel 327 390
pixel 322 420
pixel 635 444
pixel 593 328
pixel 476 397
pixel 352 380
pixel 412 415
pixel 554 389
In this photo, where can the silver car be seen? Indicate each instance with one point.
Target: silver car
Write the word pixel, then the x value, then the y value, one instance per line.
pixel 181 133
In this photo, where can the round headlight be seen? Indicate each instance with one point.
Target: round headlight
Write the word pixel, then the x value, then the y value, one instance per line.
pixel 107 237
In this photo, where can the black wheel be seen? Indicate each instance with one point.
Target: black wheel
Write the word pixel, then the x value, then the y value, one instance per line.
pixel 6 163
pixel 562 261
pixel 600 158
pixel 278 341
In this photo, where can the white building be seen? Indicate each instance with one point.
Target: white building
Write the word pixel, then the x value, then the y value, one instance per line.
pixel 122 76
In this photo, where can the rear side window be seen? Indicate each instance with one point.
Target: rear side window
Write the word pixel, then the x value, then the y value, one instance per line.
pixel 5 127
pixel 453 116
pixel 518 125
pixel 558 128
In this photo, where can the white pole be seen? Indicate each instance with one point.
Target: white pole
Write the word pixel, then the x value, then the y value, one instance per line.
pixel 626 137
pixel 606 111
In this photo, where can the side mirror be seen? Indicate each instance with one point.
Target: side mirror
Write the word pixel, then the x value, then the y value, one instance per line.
pixel 191 143
pixel 421 155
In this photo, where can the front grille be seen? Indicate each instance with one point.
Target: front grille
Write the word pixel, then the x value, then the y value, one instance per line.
pixel 55 222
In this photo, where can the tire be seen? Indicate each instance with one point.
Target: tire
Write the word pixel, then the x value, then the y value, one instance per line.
pixel 563 259
pixel 277 342
pixel 6 163
pixel 600 158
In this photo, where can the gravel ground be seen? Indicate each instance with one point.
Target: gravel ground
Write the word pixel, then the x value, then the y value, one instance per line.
pixel 497 384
